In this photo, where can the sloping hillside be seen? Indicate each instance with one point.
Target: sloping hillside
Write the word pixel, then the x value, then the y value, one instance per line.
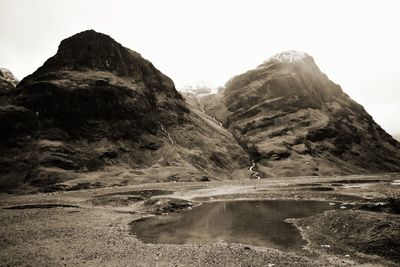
pixel 295 121
pixel 98 114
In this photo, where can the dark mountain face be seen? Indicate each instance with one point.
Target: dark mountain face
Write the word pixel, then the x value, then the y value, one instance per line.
pixel 91 79
pixel 98 110
pixel 295 121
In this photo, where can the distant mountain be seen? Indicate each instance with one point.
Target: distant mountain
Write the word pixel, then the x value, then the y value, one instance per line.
pixel 7 81
pixel 198 89
pixel 294 121
pixel 98 114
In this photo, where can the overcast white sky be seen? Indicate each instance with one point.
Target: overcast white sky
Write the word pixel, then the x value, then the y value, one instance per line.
pixel 356 43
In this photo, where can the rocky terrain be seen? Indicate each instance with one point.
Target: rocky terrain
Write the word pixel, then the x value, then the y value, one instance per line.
pixel 92 226
pixel 98 114
pixel 294 121
pixel 97 141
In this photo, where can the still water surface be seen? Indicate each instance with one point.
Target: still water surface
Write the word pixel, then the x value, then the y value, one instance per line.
pixel 258 223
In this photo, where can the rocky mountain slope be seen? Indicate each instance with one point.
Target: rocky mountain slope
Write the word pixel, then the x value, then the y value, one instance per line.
pixel 98 114
pixel 295 121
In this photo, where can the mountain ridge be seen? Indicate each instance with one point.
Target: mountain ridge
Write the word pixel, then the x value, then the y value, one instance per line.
pixel 98 114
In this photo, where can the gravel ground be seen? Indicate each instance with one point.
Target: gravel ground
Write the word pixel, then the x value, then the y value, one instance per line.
pixel 96 233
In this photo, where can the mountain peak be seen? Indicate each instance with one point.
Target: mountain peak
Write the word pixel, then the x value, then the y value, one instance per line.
pixel 87 38
pixel 294 121
pixel 7 75
pixel 301 61
pixel 291 56
pixel 109 72
pixel 96 104
pixel 7 81
pixel 95 51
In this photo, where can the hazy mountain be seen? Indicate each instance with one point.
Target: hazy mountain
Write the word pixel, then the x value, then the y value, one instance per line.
pixel 295 121
pixel 7 81
pixel 98 113
pixel 198 90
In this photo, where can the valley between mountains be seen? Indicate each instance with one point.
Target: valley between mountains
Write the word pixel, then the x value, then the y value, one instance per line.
pixel 97 142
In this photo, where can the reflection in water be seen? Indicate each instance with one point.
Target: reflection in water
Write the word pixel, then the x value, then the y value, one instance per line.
pixel 248 222
pixel 396 182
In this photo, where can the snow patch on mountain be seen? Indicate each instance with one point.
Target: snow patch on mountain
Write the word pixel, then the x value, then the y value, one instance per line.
pixel 290 56
pixel 7 76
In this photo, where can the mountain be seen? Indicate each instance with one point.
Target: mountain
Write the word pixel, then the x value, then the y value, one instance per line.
pixel 7 81
pixel 199 90
pixel 294 121
pixel 98 114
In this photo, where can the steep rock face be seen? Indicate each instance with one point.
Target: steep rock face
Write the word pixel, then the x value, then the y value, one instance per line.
pixel 93 79
pixel 295 121
pixel 97 114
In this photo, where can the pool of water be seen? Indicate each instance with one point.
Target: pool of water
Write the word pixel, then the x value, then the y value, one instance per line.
pixel 142 193
pixel 360 181
pixel 395 182
pixel 258 223
pixel 40 206
pixel 318 188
